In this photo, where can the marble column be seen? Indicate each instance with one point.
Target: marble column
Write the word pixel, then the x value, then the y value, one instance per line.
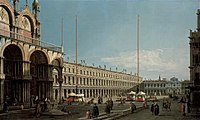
pixel 1 93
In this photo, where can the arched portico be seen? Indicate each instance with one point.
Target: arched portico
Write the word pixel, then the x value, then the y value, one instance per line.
pixel 40 84
pixel 57 76
pixel 14 85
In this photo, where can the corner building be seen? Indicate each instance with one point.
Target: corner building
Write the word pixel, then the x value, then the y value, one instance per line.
pixel 26 62
pixel 195 63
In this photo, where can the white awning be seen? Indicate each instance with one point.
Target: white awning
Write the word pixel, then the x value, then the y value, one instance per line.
pixel 132 93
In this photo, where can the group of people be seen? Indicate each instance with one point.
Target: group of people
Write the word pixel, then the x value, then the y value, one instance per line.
pixel 94 113
pixel 166 104
pixel 100 100
pixel 185 105
pixel 155 108
pixel 41 106
pixel 109 106
pixel 11 102
pixel 95 109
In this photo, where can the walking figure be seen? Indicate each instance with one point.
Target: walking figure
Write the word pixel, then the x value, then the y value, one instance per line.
pixel 152 108
pixel 95 111
pixel 5 106
pixel 107 108
pixel 132 107
pixel 156 109
pixel 88 114
pixel 110 102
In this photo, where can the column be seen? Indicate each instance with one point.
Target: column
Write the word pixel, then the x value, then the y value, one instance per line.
pixel 2 78
pixel 1 93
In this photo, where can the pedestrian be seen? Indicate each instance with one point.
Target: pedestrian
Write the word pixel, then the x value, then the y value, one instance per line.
pixel 22 106
pixel 5 106
pixel 88 114
pixel 132 107
pixel 156 109
pixel 188 103
pixel 152 108
pixel 99 100
pixel 95 111
pixel 37 107
pixel 145 104
pixel 107 108
pixel 111 103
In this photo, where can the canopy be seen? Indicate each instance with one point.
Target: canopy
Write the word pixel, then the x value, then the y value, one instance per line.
pixel 72 94
pixel 132 93
pixel 80 95
pixel 141 93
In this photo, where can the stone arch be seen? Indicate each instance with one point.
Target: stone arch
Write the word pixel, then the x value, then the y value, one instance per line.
pixel 26 13
pixel 27 27
pixel 13 70
pixel 12 43
pixel 6 22
pixel 57 64
pixel 10 11
pixel 44 52
pixel 37 58
pixel 40 76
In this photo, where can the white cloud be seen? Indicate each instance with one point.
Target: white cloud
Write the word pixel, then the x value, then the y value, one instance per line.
pixel 150 61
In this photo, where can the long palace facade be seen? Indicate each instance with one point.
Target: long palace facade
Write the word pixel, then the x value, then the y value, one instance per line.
pixel 92 81
pixel 26 63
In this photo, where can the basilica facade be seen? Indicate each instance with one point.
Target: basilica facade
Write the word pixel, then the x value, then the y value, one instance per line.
pixel 26 62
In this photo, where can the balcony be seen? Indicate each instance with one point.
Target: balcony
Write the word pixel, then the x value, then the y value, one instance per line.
pixel 27 40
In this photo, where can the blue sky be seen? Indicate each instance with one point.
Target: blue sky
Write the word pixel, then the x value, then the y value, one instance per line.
pixel 107 33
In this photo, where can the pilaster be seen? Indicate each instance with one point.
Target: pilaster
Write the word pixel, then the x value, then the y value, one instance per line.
pixel 26 70
pixel 1 93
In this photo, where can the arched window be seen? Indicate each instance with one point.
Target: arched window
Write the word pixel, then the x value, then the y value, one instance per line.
pixel 56 94
pixel 65 80
pixel 4 22
pixel 65 93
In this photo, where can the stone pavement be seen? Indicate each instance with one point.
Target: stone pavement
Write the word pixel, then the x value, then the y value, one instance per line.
pixel 76 111
pixel 174 114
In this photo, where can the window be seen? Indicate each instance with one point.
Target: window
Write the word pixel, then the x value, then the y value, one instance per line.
pixel 69 81
pixel 73 80
pixel 56 77
pixel 65 93
pixel 65 80
pixel 56 94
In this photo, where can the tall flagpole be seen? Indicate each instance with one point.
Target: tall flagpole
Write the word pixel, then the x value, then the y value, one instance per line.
pixel 62 36
pixel 60 79
pixel 138 55
pixel 76 54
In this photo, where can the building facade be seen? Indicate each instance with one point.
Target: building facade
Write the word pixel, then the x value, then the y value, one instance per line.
pixel 174 86
pixel 92 81
pixel 185 87
pixel 26 63
pixel 164 87
pixel 195 63
pixel 154 87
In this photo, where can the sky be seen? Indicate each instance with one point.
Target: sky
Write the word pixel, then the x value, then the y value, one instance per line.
pixel 107 33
